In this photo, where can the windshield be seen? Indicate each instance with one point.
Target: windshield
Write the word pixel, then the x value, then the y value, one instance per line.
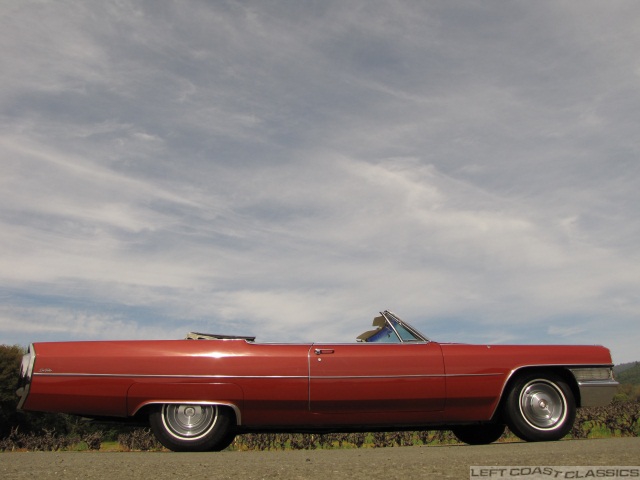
pixel 390 329
pixel 405 334
pixel 384 335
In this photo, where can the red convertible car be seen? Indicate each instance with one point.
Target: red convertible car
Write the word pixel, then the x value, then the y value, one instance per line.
pixel 198 393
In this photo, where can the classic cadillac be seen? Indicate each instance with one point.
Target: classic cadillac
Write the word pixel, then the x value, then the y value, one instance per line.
pixel 198 393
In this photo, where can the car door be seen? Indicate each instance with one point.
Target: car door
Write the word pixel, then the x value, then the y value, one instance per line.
pixel 376 377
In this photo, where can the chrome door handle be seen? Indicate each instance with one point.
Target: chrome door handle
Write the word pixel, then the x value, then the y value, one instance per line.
pixel 323 351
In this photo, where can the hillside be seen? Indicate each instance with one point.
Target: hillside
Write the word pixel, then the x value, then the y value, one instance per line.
pixel 621 367
pixel 628 373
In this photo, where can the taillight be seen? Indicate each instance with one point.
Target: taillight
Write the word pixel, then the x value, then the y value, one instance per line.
pixel 26 371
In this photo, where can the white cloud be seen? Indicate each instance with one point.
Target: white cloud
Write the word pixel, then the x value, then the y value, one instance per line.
pixel 287 171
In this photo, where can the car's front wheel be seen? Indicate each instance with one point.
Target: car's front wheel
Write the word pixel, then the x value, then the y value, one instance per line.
pixel 479 434
pixel 540 407
pixel 193 428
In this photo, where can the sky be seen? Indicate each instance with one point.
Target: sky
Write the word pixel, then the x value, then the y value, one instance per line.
pixel 288 169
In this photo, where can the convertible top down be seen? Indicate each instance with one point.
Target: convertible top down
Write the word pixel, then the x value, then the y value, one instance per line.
pixel 198 393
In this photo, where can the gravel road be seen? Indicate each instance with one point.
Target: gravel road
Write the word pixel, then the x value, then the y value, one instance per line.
pixel 450 461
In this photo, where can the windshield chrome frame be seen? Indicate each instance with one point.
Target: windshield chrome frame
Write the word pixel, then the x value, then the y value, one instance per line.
pixel 391 317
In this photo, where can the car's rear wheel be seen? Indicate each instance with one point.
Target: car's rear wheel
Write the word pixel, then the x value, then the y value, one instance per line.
pixel 540 407
pixel 193 428
pixel 479 434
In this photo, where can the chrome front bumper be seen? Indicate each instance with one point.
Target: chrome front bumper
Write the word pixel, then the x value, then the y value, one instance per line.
pixel 597 393
pixel 597 386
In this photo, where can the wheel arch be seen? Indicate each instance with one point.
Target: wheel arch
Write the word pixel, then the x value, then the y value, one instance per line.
pixel 142 398
pixel 560 370
pixel 147 407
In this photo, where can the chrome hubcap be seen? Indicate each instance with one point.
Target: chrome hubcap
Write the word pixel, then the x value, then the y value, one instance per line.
pixel 189 422
pixel 543 405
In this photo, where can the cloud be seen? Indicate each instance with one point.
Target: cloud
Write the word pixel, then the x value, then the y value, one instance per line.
pixel 288 170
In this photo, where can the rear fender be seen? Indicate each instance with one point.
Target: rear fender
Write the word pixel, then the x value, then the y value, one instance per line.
pixel 142 395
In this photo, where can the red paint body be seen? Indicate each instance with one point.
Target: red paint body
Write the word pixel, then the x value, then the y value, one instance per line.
pixel 292 387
